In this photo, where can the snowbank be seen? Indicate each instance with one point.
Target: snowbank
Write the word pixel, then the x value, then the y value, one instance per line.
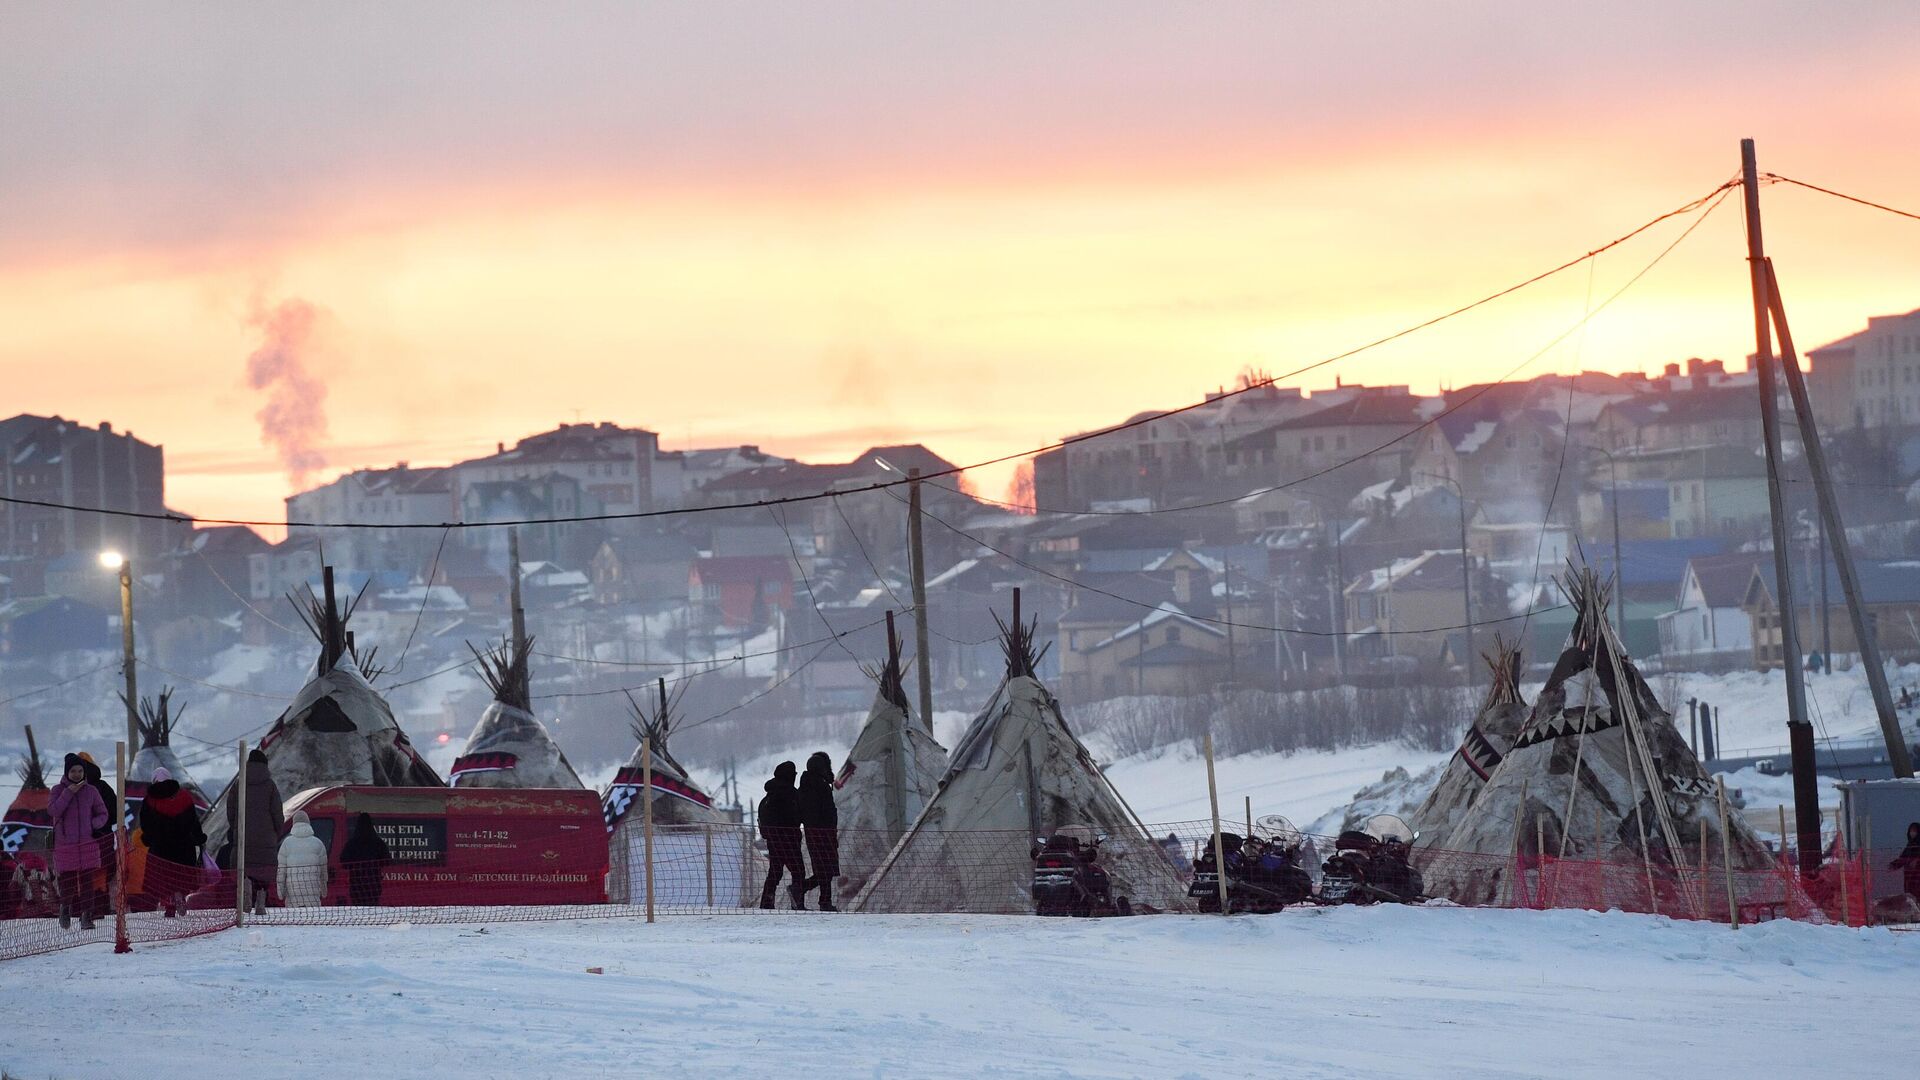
pixel 1390 992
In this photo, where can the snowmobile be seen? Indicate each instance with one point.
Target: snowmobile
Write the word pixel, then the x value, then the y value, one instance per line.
pixel 1069 881
pixel 1264 873
pixel 1371 864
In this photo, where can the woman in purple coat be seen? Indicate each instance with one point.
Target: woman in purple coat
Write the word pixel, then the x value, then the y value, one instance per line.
pixel 77 810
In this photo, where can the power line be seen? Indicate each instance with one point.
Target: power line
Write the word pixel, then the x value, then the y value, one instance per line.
pixel 1301 631
pixel 1469 399
pixel 1777 178
pixel 952 470
pixel 426 594
pixel 89 673
pixel 716 661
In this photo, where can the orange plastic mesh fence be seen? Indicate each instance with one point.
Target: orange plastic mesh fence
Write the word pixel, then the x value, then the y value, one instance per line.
pixel 728 868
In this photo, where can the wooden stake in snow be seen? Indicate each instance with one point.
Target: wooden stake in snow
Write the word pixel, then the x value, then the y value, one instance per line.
pixel 1726 851
pixel 120 942
pixel 240 840
pixel 1219 847
pixel 1249 815
pixel 646 815
pixel 1783 830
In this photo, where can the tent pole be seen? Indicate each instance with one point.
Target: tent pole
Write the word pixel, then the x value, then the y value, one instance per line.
pixel 1726 851
pixel 646 815
pixel 1219 847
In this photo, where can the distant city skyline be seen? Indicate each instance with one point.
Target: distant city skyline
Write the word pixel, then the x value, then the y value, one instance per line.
pixel 818 230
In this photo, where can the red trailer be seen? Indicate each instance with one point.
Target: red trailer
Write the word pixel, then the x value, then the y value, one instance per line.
pixel 455 846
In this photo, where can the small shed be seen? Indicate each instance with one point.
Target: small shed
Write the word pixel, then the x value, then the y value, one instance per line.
pixel 1875 815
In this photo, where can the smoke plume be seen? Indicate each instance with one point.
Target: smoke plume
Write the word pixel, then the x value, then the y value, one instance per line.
pixel 294 418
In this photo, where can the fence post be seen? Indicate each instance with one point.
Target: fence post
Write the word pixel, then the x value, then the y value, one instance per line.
pixel 1862 857
pixel 1219 848
pixel 706 834
pixel 1540 859
pixel 1846 865
pixel 1726 851
pixel 123 860
pixel 646 815
pixel 1518 888
pixel 1249 815
pixel 239 840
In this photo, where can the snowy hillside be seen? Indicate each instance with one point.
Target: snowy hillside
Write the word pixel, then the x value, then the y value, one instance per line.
pixel 1338 993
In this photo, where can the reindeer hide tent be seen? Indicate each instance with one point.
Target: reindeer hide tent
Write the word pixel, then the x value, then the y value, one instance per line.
pixel 1018 773
pixel 338 730
pixel 157 718
pixel 27 827
pixel 890 775
pixel 1597 773
pixel 1486 743
pixel 510 747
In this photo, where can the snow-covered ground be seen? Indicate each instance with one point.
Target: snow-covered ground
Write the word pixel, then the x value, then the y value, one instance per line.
pixel 1341 993
pixel 1171 785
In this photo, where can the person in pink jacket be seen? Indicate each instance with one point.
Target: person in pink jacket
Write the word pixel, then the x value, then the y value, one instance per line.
pixel 77 810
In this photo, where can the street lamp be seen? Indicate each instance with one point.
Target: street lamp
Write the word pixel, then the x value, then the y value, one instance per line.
pixel 1466 572
pixel 1620 596
pixel 113 560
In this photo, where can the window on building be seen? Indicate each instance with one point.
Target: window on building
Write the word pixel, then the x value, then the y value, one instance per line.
pixel 1173 634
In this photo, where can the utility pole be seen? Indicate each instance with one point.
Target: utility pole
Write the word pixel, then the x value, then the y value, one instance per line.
pixel 922 659
pixel 1806 785
pixel 126 658
pixel 1897 754
pixel 1227 580
pixel 1826 609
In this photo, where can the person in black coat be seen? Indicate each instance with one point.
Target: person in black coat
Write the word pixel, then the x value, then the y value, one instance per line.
pixel 365 858
pixel 822 823
pixel 780 827
pixel 170 827
pixel 1909 861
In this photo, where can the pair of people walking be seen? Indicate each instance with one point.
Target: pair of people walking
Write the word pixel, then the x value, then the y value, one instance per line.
pixel 801 817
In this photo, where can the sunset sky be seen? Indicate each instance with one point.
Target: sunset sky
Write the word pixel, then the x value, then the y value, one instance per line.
pixel 817 227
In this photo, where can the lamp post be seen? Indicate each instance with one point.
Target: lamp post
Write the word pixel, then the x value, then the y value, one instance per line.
pixel 1466 572
pixel 1620 597
pixel 113 560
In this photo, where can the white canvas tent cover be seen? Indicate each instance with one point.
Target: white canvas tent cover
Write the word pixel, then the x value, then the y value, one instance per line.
pixel 690 834
pixel 1488 740
pixel 1018 773
pixel 339 730
pixel 890 775
pixel 1577 780
pixel 510 747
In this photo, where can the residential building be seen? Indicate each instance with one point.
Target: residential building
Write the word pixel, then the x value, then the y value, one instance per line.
pixel 1884 364
pixel 1164 651
pixel 641 568
pixel 1710 627
pixel 1717 490
pixel 1679 420
pixel 1411 606
pixel 56 460
pixel 610 466
pixel 1890 591
pixel 735 592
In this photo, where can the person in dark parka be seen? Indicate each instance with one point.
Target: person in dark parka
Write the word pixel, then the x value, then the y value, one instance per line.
pixel 365 857
pixel 821 821
pixel 265 819
pixel 780 827
pixel 170 826
pixel 1909 860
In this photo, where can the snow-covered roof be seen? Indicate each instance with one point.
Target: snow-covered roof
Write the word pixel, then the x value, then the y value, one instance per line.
pixel 1476 437
pixel 1157 616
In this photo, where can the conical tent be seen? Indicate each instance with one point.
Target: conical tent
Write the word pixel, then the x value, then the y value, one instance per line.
pixel 339 730
pixel 890 775
pixel 1597 773
pixel 509 747
pixel 1487 741
pixel 27 828
pixel 1017 774
pixel 682 817
pixel 157 718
